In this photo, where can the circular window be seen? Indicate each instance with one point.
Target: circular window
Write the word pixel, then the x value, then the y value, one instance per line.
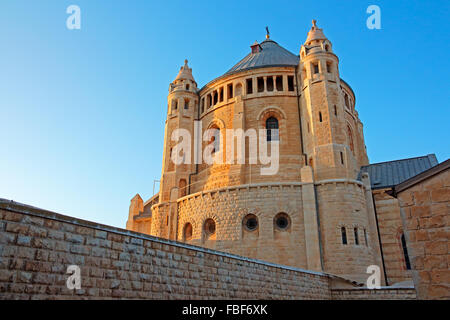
pixel 210 226
pixel 282 221
pixel 250 222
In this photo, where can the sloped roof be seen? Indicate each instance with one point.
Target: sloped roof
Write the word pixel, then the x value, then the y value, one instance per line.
pixel 271 55
pixel 388 174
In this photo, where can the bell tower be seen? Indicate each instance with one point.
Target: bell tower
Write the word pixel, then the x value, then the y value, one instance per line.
pixel 323 120
pixel 182 107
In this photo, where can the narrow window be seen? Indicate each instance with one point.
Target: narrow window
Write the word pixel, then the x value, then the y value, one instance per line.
pixel 279 83
pixel 175 104
pixel 346 100
pixel 221 94
pixel 335 110
pixel 182 187
pixel 216 97
pixel 350 139
pixel 209 101
pixel 215 140
pixel 269 84
pixel 329 67
pixel 320 116
pixel 187 86
pixel 272 129
pixel 344 235
pixel 327 48
pixel 365 237
pixel 203 105
pixel 355 231
pixel 309 128
pixel 260 83
pixel 405 253
pixel 230 91
pixel 249 86
pixel 316 68
pixel 186 103
pixel 342 157
pixel 187 232
pixel 291 83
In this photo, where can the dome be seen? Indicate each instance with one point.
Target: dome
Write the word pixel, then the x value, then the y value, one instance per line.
pixel 266 54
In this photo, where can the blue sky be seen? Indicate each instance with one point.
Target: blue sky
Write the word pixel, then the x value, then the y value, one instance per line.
pixel 82 111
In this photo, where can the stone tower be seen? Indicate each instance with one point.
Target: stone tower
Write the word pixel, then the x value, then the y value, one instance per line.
pixel 314 211
pixel 182 106
pixel 334 147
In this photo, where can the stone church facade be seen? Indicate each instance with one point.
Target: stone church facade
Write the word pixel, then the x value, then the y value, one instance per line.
pixel 326 208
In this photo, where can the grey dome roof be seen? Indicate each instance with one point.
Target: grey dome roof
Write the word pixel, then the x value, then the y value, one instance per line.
pixel 271 55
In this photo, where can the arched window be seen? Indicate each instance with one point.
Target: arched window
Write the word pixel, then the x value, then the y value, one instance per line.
pixel 344 235
pixel 187 232
pixel 215 139
pixel 209 227
pixel 272 129
pixel 405 252
pixel 186 103
pixel 187 86
pixel 355 231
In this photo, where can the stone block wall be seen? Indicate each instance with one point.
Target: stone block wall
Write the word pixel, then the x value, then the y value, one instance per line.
pixel 425 208
pixel 391 230
pixel 37 246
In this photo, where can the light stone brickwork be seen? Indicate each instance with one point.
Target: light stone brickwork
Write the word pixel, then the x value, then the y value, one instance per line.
pixel 37 246
pixel 425 208
pixel 391 230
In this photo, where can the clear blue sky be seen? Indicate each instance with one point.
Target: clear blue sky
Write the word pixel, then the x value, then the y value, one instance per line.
pixel 82 112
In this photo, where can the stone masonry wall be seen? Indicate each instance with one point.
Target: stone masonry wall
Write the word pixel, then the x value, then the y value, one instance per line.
pixel 425 212
pixel 37 246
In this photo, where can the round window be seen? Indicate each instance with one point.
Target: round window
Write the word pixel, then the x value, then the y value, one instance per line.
pixel 282 221
pixel 210 226
pixel 250 222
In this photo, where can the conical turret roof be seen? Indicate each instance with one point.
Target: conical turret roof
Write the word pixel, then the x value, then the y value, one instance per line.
pixel 185 73
pixel 315 33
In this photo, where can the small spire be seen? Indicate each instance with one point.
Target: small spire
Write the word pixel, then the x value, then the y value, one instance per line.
pixel 185 62
pixel 267 33
pixel 314 24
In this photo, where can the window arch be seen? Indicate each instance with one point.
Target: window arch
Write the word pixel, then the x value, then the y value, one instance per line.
pixel 355 231
pixel 187 232
pixel 344 235
pixel 209 227
pixel 272 128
